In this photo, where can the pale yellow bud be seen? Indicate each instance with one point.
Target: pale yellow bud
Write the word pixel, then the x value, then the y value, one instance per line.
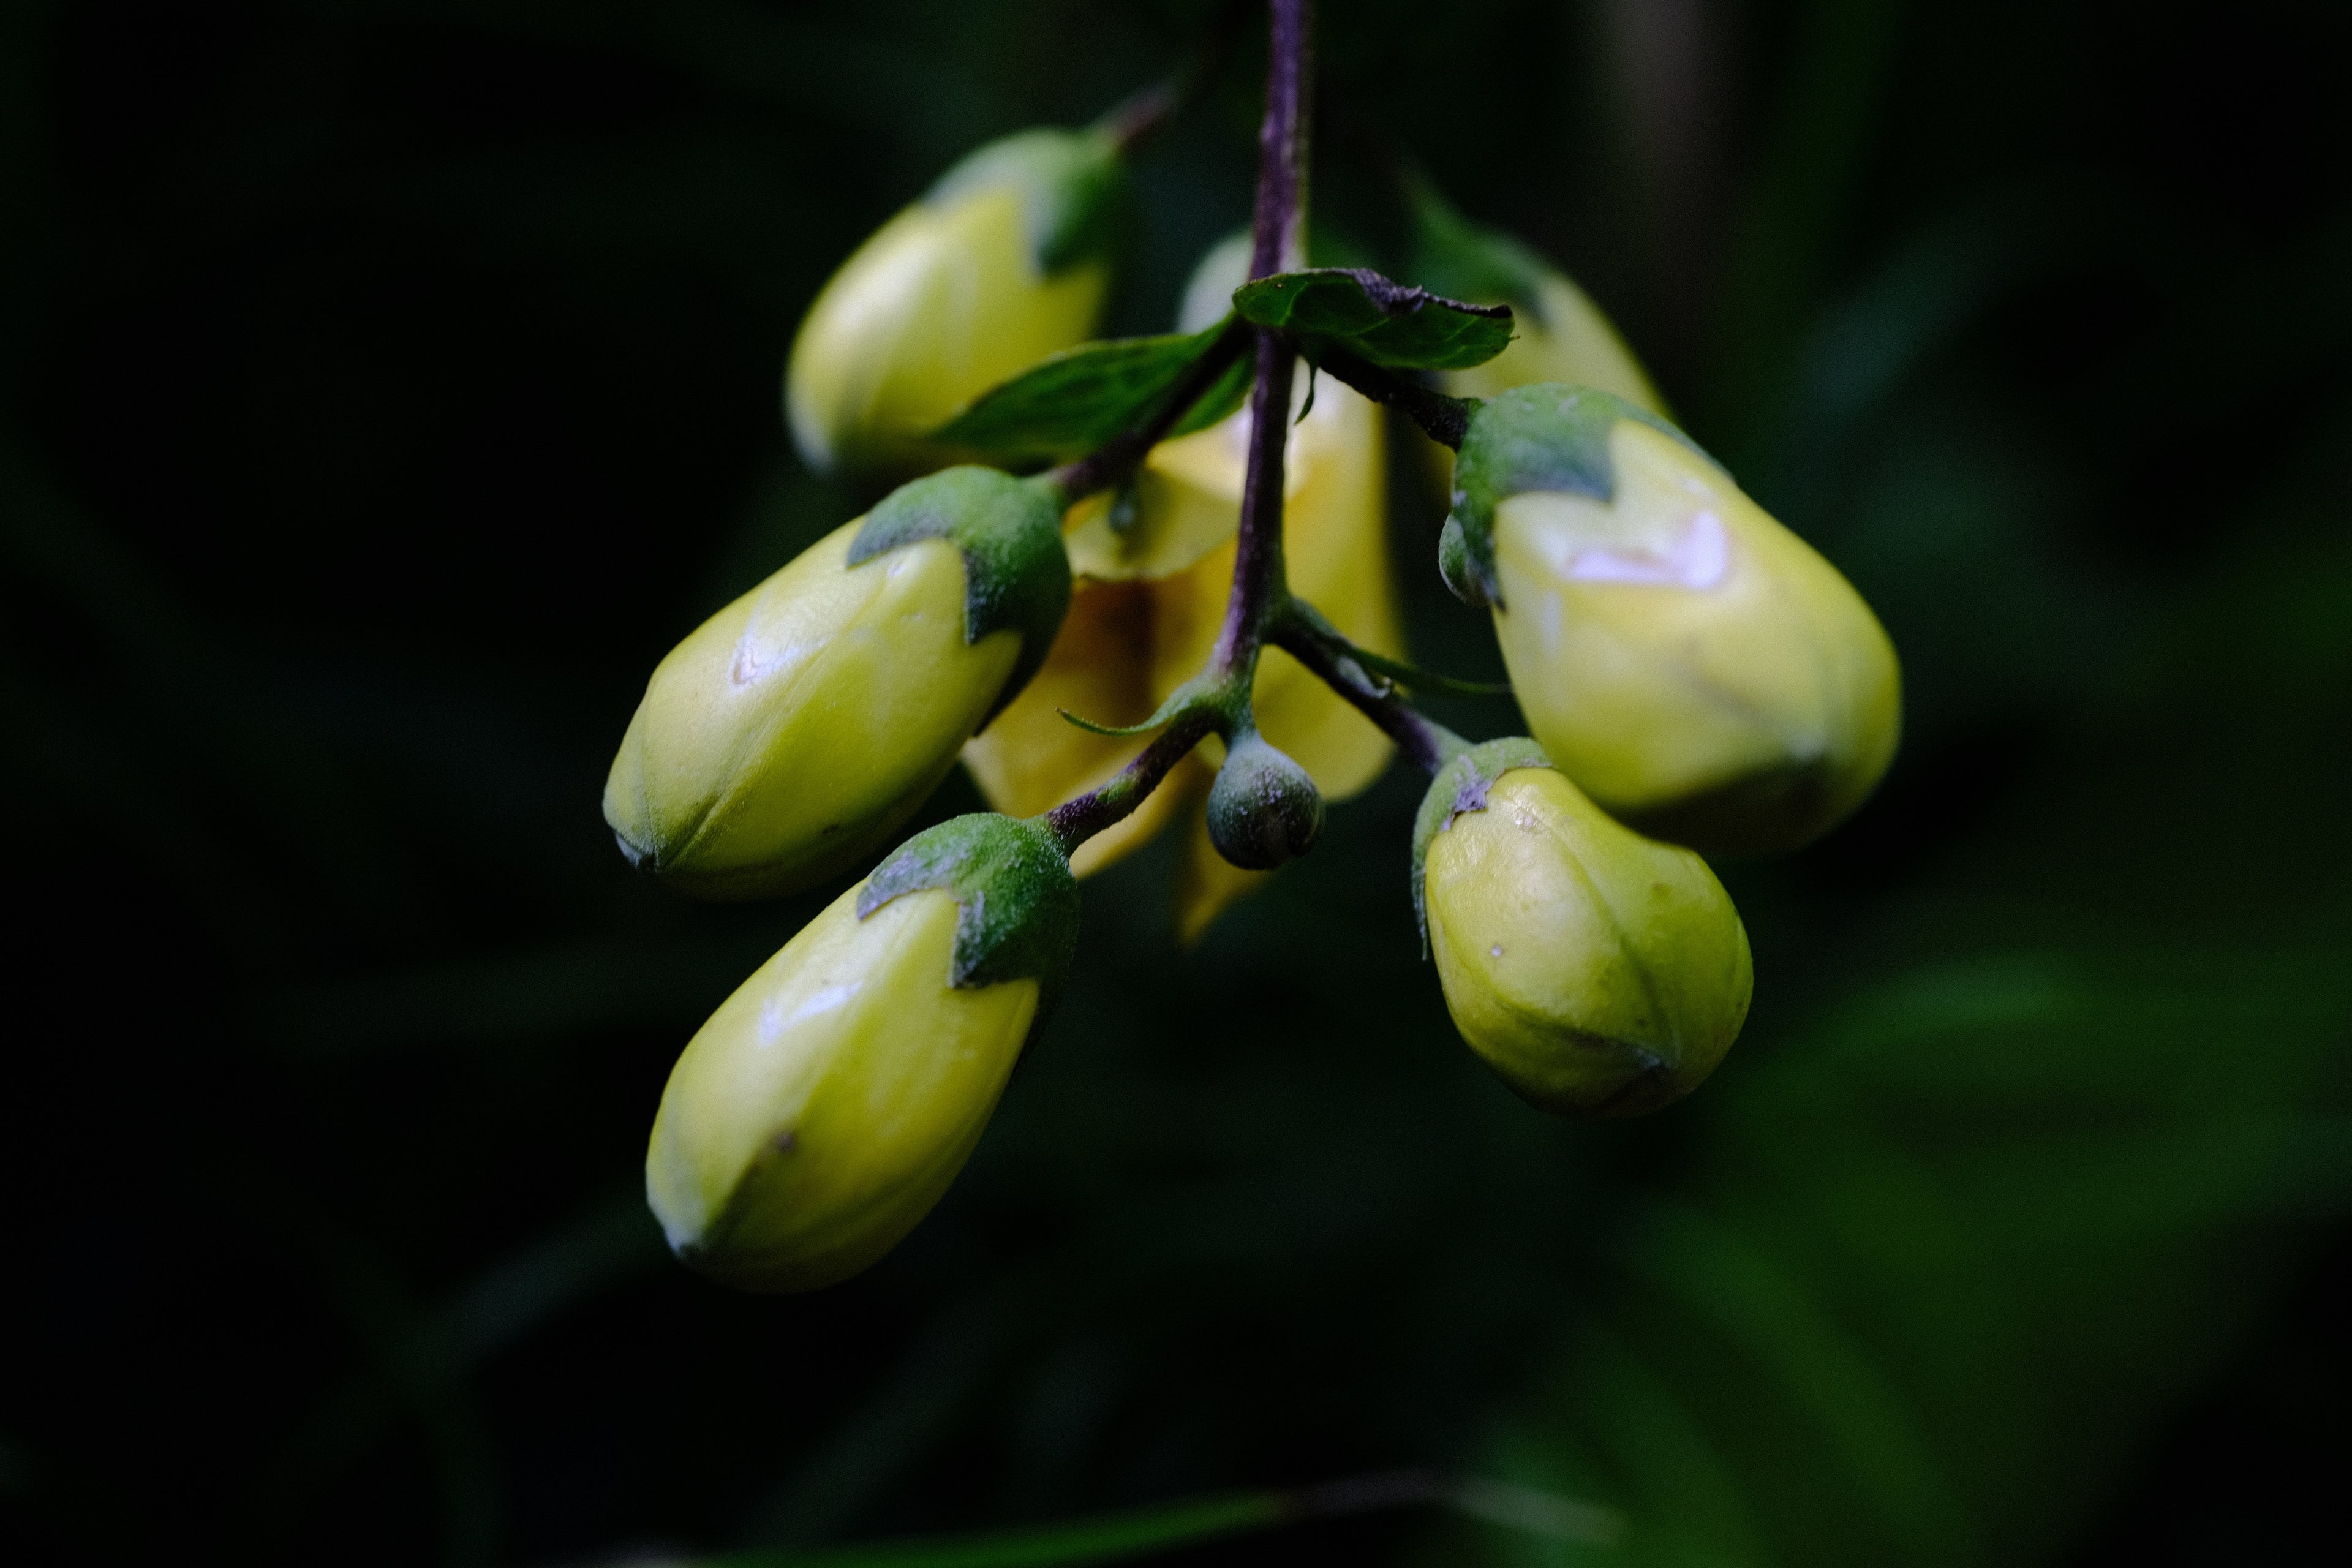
pixel 959 292
pixel 829 1102
pixel 1597 972
pixel 789 736
pixel 1695 668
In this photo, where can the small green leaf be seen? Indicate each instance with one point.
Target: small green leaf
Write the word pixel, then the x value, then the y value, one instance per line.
pixel 1467 261
pixel 1074 402
pixel 1377 318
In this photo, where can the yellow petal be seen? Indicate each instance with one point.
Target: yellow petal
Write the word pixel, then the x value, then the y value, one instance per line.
pixel 1030 759
pixel 1207 884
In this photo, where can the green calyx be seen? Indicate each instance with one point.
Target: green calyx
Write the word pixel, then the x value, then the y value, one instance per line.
pixel 1071 185
pixel 1542 438
pixel 1018 902
pixel 1017 573
pixel 1460 786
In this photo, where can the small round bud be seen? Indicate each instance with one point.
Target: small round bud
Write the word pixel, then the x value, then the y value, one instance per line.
pixel 826 1105
pixel 787 738
pixel 1598 973
pixel 1263 809
pixel 1004 261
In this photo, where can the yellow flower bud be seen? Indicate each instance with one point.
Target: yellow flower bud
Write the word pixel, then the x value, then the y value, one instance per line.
pixel 1696 668
pixel 1598 973
pixel 829 1102
pixel 790 734
pixel 1002 264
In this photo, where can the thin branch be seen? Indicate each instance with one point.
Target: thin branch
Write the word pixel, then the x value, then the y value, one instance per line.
pixel 1259 595
pixel 1257 554
pixel 1123 453
pixel 1430 745
pixel 1141 114
pixel 1278 240
pixel 1076 821
pixel 1445 419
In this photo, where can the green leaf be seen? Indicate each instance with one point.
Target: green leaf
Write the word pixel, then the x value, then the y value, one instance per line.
pixel 1377 318
pixel 1074 402
pixel 1470 262
pixel 1146 1531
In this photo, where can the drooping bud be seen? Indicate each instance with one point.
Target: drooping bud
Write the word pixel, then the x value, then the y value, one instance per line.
pixel 788 737
pixel 1004 261
pixel 1263 809
pixel 827 1105
pixel 1696 668
pixel 1598 973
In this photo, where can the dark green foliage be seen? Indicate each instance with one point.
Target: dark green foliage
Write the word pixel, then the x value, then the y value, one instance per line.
pixel 1383 322
pixel 1077 400
pixel 1016 573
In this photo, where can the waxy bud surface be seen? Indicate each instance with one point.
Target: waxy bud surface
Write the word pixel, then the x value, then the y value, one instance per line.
pixel 1005 261
pixel 790 735
pixel 1697 670
pixel 825 1108
pixel 1598 973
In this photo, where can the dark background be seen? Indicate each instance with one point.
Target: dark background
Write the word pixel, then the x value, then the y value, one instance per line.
pixel 388 384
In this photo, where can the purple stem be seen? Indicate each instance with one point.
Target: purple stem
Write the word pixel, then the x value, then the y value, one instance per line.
pixel 1429 744
pixel 1076 821
pixel 1278 231
pixel 1446 420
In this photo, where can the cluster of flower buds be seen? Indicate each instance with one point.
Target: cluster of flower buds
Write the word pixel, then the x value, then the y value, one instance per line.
pixel 1183 615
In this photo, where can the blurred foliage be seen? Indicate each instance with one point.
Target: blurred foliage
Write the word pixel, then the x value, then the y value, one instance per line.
pixel 388 383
